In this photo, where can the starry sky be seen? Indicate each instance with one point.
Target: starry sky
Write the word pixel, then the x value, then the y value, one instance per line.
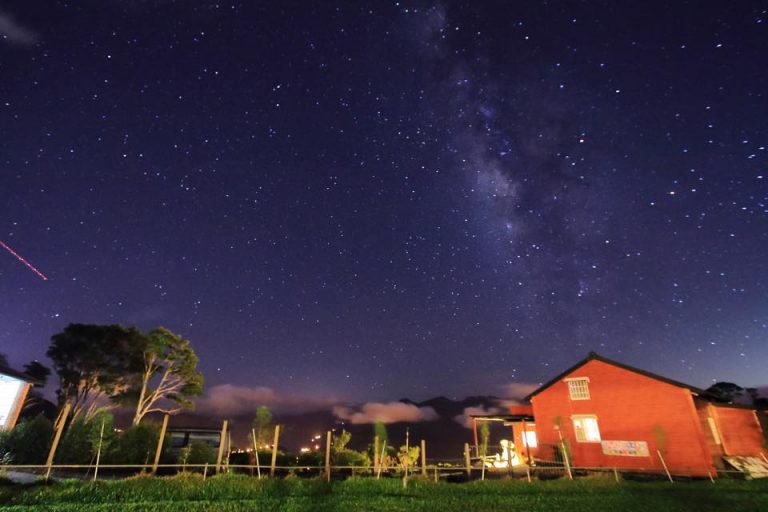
pixel 374 200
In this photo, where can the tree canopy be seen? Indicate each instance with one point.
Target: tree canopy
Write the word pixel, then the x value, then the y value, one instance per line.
pixel 94 363
pixel 168 376
pixel 102 365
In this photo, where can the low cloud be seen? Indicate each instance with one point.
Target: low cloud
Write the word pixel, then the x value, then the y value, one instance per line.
pixel 231 400
pixel 518 390
pixel 391 412
pixel 465 418
pixel 15 33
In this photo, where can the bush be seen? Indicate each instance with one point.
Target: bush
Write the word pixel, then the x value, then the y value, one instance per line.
pixel 81 440
pixel 137 445
pixel 27 443
pixel 197 453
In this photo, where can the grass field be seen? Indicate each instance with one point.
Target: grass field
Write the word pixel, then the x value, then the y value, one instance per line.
pixel 230 493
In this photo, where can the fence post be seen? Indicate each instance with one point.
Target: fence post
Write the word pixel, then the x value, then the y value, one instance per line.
pixel 160 444
pixel 375 453
pixel 423 458
pixel 274 451
pixel 566 460
pixel 256 452
pixel 56 438
pixel 665 466
pixel 467 462
pixel 98 451
pixel 222 440
pixel 328 456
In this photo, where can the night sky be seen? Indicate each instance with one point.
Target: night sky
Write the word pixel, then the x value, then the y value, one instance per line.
pixel 374 200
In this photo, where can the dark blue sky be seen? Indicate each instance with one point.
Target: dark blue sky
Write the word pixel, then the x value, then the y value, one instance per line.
pixel 377 200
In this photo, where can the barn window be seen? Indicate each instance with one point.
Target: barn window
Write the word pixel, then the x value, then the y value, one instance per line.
pixel 529 439
pixel 578 388
pixel 586 428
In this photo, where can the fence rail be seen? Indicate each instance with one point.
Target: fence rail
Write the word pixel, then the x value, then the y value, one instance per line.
pixel 434 471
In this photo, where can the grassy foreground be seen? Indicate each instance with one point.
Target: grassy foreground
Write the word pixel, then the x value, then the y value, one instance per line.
pixel 230 493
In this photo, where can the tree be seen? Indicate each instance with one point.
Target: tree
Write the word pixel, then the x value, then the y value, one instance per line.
pixel 725 391
pixel 94 363
pixel 36 403
pixel 380 431
pixel 39 372
pixel 168 374
pixel 408 457
pixel 485 435
pixel 343 456
pixel 263 426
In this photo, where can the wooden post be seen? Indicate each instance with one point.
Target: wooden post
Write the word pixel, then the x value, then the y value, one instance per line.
pixel 407 457
pixel 474 430
pixel 381 459
pixel 375 453
pixel 98 451
pixel 274 451
pixel 565 453
pixel 222 440
pixel 467 462
pixel 423 458
pixel 665 466
pixel 566 460
pixel 328 456
pixel 229 449
pixel 205 472
pixel 256 452
pixel 528 473
pixel 616 474
pixel 160 444
pixel 525 441
pixel 62 420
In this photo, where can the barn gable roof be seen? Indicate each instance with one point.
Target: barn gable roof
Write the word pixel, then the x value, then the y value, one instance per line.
pixel 593 356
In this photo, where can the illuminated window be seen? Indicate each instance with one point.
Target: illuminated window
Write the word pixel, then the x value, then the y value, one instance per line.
pixel 578 388
pixel 586 429
pixel 529 439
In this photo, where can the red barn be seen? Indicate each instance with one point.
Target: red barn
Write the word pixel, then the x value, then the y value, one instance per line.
pixel 608 414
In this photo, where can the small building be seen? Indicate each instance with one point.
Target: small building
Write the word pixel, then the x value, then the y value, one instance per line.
pixel 14 387
pixel 610 415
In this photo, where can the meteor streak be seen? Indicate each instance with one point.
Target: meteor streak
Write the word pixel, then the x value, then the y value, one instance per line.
pixel 28 264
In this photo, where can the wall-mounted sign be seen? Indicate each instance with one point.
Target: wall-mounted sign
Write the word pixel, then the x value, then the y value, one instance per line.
pixel 625 448
pixel 10 395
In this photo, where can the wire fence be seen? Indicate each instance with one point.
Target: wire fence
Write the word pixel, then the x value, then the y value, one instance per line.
pixel 451 471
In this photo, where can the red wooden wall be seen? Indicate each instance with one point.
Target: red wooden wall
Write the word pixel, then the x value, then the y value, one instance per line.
pixel 629 407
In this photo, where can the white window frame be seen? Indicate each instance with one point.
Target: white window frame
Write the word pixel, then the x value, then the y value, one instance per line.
pixel 582 432
pixel 578 388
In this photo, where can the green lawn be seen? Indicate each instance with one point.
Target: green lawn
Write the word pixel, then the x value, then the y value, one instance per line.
pixel 240 493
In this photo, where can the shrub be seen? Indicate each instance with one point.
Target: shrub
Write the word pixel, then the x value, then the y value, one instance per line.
pixel 27 443
pixel 81 441
pixel 197 453
pixel 137 445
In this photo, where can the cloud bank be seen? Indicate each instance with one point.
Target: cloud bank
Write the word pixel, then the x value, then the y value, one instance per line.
pixel 229 399
pixel 391 412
